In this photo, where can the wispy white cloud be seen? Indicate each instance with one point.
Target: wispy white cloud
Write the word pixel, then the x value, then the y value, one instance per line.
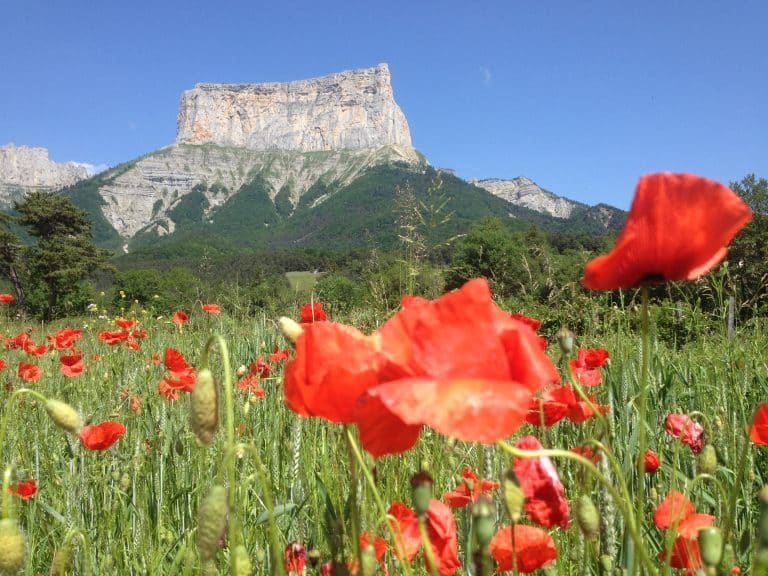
pixel 486 75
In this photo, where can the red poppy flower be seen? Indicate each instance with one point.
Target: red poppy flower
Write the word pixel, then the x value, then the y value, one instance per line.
pixel 651 462
pixel 260 368
pixel 251 382
pixel 295 558
pixel 182 375
pixel 556 403
pixel 279 355
pixel 125 323
pixel 532 322
pixel 469 490
pixel 586 452
pixel 139 333
pixel 311 312
pixel 180 317
pixel 685 555
pixel 545 501
pixel 211 308
pixel 64 339
pixel 17 341
pixel 29 372
pixel 690 432
pixel 6 298
pixel 379 546
pixel 112 337
pixel 24 489
pixel 584 366
pixel 758 433
pixel 135 404
pixel 72 365
pixel 35 349
pixel 101 436
pixel 441 529
pixel 2 363
pixel 677 229
pixel 533 548
pixel 458 364
pixel 677 512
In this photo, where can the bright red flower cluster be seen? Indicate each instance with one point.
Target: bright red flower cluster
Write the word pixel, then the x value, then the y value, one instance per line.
pixel 585 366
pixel 533 548
pixel 71 365
pixel 687 430
pixel 545 501
pixel 64 339
pixel 469 490
pixel 24 489
pixel 558 402
pixel 458 364
pixel 311 312
pixel 182 376
pixel 676 513
pixel 6 298
pixel 101 436
pixel 211 308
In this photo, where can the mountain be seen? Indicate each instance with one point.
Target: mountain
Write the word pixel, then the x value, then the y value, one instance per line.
pixel 317 162
pixel 23 169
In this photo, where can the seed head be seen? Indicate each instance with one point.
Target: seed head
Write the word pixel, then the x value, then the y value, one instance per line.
pixel 64 416
pixel 421 491
pixel 242 561
pixel 204 408
pixel 291 329
pixel 706 461
pixel 13 547
pixel 587 517
pixel 711 546
pixel 212 522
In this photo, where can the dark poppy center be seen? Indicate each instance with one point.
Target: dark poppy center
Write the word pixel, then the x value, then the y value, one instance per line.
pixel 653 278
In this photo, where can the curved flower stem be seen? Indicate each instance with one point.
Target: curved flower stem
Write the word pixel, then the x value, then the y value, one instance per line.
pixel 9 405
pixel 69 536
pixel 229 409
pixel 515 571
pixel 274 535
pixel 429 554
pixel 621 502
pixel 394 528
pixel 641 412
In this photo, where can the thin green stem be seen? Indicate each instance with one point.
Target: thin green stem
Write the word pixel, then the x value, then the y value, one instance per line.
pixel 355 511
pixel 429 554
pixel 741 467
pixel 9 408
pixel 621 502
pixel 641 415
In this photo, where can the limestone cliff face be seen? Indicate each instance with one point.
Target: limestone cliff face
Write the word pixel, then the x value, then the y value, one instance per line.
pixel 355 109
pixel 523 191
pixel 23 168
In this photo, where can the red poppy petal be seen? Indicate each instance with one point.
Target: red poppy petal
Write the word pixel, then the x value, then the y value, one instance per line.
pixel 677 229
pixel 689 528
pixel 545 501
pixel 758 433
pixel 533 548
pixel 673 509
pixel 468 409
pixel 381 431
pixel 407 538
pixel 441 529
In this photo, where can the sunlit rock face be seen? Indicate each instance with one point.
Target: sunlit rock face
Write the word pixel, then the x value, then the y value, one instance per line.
pixel 523 191
pixel 354 109
pixel 23 168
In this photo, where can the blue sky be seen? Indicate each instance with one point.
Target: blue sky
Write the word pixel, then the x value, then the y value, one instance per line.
pixel 582 97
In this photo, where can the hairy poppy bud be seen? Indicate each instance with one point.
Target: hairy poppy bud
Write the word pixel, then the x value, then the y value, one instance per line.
pixel 291 329
pixel 241 371
pixel 484 525
pixel 606 564
pixel 13 547
pixel 421 491
pixel 706 461
pixel 204 408
pixel 60 561
pixel 242 561
pixel 587 517
pixel 711 546
pixel 64 416
pixel 565 341
pixel 212 522
pixel 513 496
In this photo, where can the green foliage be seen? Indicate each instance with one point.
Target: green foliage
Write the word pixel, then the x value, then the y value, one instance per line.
pixel 339 294
pixel 191 208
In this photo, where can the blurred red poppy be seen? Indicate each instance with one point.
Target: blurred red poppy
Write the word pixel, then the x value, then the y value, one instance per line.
pixel 545 501
pixel 685 555
pixel 469 490
pixel 441 529
pixel 125 323
pixel 29 372
pixel 2 363
pixel 676 512
pixel 311 312
pixel 211 308
pixel 677 229
pixel 101 436
pixel 182 375
pixel 689 431
pixel 558 402
pixel 135 404
pixel 379 549
pixel 295 558
pixel 24 489
pixel 6 298
pixel 35 349
pixel 260 368
pixel 180 317
pixel 17 341
pixel 651 461
pixel 758 432
pixel 587 452
pixel 278 355
pixel 584 366
pixel 251 382
pixel 112 337
pixel 71 365
pixel 533 548
pixel 64 339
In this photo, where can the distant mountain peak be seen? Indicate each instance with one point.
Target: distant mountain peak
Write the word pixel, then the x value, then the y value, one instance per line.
pixel 522 191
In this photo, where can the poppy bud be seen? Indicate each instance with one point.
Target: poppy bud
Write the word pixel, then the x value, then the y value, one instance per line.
pixel 212 522
pixel 587 517
pixel 241 371
pixel 242 561
pixel 64 416
pixel 13 547
pixel 204 408
pixel 484 525
pixel 706 461
pixel 421 491
pixel 291 329
pixel 565 341
pixel 513 496
pixel 711 546
pixel 369 563
pixel 606 564
pixel 313 557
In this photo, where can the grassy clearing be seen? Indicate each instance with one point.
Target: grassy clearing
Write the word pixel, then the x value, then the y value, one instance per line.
pixel 303 282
